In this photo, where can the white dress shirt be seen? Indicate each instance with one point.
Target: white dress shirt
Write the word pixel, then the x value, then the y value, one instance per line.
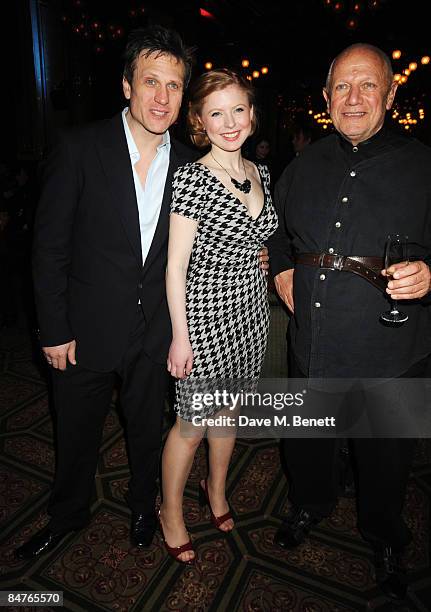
pixel 149 196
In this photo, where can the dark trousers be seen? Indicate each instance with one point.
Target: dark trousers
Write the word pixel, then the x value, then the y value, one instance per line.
pixel 81 400
pixel 382 466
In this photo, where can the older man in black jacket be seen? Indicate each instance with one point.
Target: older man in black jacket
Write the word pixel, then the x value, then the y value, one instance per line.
pixel 337 203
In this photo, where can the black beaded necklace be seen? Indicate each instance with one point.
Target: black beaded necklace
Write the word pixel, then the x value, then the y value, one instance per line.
pixel 245 186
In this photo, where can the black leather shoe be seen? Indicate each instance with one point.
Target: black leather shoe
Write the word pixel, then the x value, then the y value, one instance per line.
pixel 295 528
pixel 142 529
pixel 41 543
pixel 390 573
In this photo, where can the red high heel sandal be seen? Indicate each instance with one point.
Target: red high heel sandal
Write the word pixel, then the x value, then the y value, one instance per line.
pixel 176 551
pixel 204 500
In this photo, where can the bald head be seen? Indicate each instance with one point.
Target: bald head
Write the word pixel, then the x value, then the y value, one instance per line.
pixel 385 61
pixel 360 89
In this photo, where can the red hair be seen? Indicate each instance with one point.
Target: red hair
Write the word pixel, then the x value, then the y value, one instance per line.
pixel 203 86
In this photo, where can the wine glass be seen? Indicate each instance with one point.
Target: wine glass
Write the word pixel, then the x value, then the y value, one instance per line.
pixel 396 251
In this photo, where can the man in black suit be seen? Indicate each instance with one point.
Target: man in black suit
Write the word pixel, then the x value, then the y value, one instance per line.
pixel 100 251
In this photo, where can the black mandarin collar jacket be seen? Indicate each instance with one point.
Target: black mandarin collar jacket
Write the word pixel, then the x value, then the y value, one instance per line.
pixel 348 199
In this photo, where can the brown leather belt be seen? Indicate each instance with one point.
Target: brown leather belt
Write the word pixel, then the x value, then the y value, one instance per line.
pixel 366 267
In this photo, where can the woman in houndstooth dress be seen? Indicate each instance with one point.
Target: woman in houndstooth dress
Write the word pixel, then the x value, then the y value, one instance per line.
pixel 221 216
pixel 226 305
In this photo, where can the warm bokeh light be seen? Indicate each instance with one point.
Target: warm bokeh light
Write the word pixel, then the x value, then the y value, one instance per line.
pixel 208 65
pixel 321 118
pixel 413 66
pixel 408 120
pixel 255 74
pixel 397 77
pixel 396 54
pixel 425 60
pixel 264 70
pixel 407 115
pixel 249 77
pixel 403 79
pixel 406 71
pixel 245 63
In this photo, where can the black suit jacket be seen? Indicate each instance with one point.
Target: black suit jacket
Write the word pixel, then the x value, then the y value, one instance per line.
pixel 87 261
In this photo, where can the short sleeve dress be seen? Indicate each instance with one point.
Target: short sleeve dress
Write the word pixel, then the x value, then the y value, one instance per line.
pixel 226 293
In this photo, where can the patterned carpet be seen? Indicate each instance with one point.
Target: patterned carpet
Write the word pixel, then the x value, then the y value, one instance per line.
pixel 98 570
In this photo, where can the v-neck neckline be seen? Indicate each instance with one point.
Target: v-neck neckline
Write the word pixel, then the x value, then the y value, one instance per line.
pixel 235 197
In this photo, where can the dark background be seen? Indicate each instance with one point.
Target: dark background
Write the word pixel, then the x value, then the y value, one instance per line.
pixel 62 65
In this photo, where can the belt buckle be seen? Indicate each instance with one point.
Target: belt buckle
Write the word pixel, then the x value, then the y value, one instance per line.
pixel 339 262
pixel 321 258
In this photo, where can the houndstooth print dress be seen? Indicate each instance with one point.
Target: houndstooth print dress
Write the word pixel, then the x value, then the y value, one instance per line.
pixel 226 293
